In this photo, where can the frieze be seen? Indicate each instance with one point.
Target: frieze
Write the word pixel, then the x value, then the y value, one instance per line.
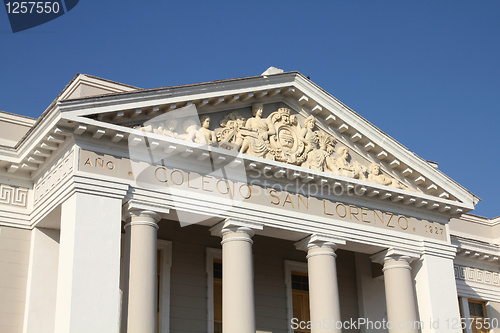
pixel 279 137
pixel 293 198
pixel 14 196
pixel 477 275
pixel 54 176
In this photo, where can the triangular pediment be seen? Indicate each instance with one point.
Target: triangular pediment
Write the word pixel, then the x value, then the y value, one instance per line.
pixel 339 143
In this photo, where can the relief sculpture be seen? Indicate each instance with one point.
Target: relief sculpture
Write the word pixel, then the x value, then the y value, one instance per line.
pixel 256 134
pixel 278 137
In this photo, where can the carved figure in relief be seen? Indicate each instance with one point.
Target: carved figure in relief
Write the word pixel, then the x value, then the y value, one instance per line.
pixel 377 177
pixel 228 134
pixel 347 169
pixel 168 128
pixel 307 135
pixel 144 128
pixel 256 133
pixel 205 129
pixel 318 158
pixel 192 132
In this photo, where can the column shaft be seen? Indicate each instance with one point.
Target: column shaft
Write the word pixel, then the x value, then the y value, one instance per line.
pixel 323 289
pixel 142 293
pixel 400 299
pixel 238 309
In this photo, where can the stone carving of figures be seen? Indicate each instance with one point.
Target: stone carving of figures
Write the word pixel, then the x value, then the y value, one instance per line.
pixel 168 129
pixel 377 177
pixel 145 128
pixel 342 164
pixel 319 159
pixel 347 169
pixel 307 135
pixel 256 133
pixel 205 129
pixel 228 135
pixel 193 133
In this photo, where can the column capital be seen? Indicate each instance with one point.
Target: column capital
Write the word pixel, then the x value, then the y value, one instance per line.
pixel 143 217
pixel 134 208
pixel 317 241
pixel 394 254
pixel 235 225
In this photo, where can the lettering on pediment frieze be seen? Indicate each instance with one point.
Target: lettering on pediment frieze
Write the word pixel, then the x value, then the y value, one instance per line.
pixel 279 137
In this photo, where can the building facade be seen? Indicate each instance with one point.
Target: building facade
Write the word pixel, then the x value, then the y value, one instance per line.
pixel 259 204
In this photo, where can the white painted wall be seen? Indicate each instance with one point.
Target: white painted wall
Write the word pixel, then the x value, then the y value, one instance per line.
pixel 371 294
pixel 493 312
pixel 14 258
pixel 436 294
pixel 88 293
pixel 42 281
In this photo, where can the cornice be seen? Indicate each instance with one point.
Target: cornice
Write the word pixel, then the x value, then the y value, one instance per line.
pixel 471 218
pixel 471 249
pixel 392 151
pixel 16 119
pixel 179 94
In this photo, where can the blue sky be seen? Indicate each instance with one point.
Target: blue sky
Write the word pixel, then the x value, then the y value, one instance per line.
pixel 425 72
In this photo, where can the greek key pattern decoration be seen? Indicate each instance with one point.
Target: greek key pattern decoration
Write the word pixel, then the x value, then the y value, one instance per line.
pixel 15 196
pixel 477 275
pixel 54 177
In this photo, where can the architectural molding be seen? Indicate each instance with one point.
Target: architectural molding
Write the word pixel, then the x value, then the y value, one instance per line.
pixel 471 249
pixel 54 176
pixel 477 275
pixel 318 240
pixel 394 254
pixel 134 206
pixel 14 196
pixel 236 225
pixel 477 291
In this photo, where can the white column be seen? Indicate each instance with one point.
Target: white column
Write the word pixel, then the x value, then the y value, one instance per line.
pixel 323 285
pixel 238 308
pixel 437 292
pixel 399 295
pixel 464 304
pixel 125 269
pixel 88 283
pixel 142 291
